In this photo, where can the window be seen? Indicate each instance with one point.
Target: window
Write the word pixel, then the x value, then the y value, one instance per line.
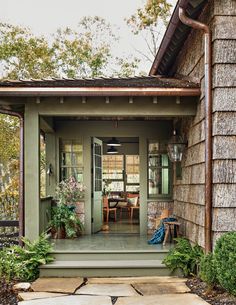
pixel 71 159
pixel 113 169
pixel 98 167
pixel 122 172
pixel 132 173
pixel 159 169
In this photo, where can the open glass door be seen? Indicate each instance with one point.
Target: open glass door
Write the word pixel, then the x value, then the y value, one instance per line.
pixel 97 206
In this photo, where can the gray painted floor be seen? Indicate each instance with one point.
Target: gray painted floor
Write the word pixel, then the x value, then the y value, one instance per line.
pixel 109 242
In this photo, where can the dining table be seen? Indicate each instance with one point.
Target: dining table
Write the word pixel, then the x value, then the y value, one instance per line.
pixel 115 201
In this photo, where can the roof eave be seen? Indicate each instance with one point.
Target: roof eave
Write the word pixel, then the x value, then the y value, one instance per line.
pixel 167 36
pixel 96 91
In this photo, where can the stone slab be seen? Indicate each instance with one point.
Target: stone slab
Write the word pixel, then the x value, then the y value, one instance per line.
pixel 114 290
pixel 133 280
pixel 24 286
pixel 71 300
pixel 26 296
pixel 61 285
pixel 165 288
pixel 168 299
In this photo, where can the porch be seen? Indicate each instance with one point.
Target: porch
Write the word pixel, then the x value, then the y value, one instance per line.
pixel 106 255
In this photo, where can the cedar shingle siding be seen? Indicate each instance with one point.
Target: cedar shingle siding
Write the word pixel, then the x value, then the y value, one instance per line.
pixel 189 192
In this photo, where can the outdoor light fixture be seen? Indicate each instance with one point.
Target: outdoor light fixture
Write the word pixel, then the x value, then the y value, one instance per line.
pixel 113 142
pixel 83 100
pixel 175 147
pixel 112 150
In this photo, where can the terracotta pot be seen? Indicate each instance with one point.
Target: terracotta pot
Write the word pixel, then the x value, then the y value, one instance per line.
pixel 61 233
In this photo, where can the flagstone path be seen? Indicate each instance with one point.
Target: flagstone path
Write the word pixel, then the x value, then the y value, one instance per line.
pixel 108 291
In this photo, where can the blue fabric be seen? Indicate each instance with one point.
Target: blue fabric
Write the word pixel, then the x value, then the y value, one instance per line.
pixel 159 234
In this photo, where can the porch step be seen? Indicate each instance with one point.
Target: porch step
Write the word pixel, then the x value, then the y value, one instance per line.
pixel 105 255
pixel 96 268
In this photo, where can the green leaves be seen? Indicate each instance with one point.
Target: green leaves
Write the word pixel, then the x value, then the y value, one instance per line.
pixel 23 263
pixel 184 257
pixel 64 217
pixel 83 52
pixel 208 270
pixel 225 261
pixel 148 21
pixel 24 55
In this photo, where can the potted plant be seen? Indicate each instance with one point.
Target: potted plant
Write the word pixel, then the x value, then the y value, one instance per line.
pixel 69 191
pixel 65 222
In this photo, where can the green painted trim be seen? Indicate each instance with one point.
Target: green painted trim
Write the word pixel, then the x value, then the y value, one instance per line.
pixel 32 173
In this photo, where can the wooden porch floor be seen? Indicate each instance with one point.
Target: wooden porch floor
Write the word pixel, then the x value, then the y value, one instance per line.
pixel 108 242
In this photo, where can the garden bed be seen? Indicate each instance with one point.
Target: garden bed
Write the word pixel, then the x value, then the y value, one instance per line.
pixel 7 295
pixel 216 296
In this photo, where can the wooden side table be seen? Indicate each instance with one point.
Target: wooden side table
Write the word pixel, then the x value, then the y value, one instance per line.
pixel 168 226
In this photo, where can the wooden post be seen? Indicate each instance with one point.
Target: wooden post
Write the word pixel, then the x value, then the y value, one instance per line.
pixel 32 174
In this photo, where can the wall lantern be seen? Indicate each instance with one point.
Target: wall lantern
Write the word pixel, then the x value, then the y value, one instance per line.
pixel 112 150
pixel 113 142
pixel 175 147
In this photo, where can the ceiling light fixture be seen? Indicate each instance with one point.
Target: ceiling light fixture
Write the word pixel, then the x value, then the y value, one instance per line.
pixel 112 151
pixel 113 142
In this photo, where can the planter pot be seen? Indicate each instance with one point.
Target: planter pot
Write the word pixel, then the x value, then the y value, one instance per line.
pixel 59 233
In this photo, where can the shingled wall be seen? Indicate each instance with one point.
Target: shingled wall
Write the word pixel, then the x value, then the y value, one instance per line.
pixel 189 197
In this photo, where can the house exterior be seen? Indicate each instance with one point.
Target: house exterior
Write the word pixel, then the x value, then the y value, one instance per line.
pixel 80 111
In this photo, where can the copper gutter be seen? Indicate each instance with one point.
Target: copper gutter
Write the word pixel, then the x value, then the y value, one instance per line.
pixel 98 91
pixel 208 123
pixel 21 177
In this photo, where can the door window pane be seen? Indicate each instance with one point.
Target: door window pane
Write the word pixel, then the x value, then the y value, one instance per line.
pixel 159 169
pixel 71 159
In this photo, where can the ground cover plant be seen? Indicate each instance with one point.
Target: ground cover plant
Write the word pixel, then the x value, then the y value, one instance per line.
pixel 22 263
pixel 184 256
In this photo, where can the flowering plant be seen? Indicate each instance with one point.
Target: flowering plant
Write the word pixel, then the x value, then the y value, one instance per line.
pixel 69 191
pixel 106 187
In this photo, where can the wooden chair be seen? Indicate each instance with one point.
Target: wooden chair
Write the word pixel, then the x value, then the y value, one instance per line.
pixel 164 214
pixel 133 207
pixel 107 209
pixel 170 226
pixel 127 205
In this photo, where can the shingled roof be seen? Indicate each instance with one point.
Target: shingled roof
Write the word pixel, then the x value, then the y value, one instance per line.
pixel 175 36
pixel 134 82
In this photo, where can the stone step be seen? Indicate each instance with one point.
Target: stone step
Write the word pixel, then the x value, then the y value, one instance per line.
pixel 100 268
pixel 109 255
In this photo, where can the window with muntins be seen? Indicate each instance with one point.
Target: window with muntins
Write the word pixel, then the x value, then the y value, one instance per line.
pixel 122 172
pixel 159 171
pixel 71 159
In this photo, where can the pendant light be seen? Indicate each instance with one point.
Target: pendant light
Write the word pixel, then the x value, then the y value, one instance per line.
pixel 112 150
pixel 113 142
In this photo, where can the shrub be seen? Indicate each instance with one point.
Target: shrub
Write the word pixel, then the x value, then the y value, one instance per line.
pixel 23 262
pixel 184 256
pixel 208 270
pixel 225 261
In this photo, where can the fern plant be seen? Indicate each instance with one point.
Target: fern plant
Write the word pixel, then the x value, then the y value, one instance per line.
pixel 23 262
pixel 185 257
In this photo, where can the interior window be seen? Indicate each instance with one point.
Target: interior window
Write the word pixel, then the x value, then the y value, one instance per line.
pixel 159 169
pixel 113 171
pixel 132 173
pixel 71 159
pixel 122 172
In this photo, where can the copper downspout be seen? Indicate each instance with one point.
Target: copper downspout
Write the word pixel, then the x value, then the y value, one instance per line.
pixel 208 123
pixel 21 177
